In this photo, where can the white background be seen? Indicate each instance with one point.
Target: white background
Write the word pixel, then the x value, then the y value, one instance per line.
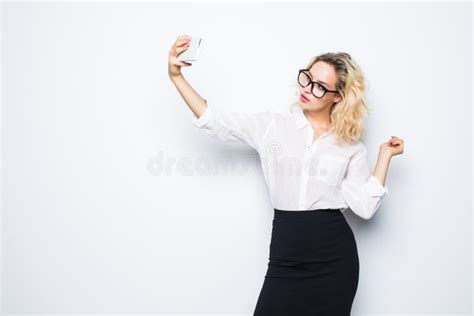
pixel 104 207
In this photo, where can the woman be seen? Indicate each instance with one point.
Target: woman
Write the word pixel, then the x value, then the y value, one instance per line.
pixel 313 266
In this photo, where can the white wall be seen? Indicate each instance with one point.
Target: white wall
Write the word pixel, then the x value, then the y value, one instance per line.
pixel 91 221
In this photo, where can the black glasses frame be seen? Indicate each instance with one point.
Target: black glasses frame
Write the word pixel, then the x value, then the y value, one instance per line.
pixel 312 84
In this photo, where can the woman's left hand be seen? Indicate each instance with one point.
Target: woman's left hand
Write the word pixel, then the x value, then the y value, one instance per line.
pixel 392 147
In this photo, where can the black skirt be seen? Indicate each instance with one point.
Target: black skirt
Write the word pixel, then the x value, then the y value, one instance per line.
pixel 313 267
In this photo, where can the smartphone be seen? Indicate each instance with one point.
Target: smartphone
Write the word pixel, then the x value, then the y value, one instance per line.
pixel 193 51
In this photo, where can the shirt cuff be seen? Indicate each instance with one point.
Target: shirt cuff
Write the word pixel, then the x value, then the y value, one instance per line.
pixel 376 188
pixel 205 118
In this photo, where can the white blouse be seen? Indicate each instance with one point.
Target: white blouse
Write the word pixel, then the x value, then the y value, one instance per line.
pixel 301 174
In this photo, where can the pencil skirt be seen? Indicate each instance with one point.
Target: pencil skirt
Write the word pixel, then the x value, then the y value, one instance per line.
pixel 313 267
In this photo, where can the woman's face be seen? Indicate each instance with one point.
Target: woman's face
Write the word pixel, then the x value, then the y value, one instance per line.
pixel 325 75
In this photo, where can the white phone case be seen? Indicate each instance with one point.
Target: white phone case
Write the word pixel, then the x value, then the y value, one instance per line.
pixel 193 51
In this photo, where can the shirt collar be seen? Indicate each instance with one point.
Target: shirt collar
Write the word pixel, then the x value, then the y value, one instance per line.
pixel 302 121
pixel 300 118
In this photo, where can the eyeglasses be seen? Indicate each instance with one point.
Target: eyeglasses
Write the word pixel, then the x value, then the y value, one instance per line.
pixel 317 89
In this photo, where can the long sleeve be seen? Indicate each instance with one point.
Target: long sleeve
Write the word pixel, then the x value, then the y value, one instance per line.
pixel 235 127
pixel 362 191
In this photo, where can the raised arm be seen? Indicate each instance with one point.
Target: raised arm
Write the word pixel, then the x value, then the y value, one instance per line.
pixel 362 191
pixel 227 126
pixel 194 101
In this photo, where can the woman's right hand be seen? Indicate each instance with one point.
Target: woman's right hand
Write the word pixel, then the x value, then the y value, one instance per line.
pixel 174 65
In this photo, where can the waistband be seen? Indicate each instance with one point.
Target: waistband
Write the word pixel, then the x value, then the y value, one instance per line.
pixel 302 213
pixel 319 209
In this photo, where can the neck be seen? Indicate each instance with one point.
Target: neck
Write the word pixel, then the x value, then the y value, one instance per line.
pixel 318 119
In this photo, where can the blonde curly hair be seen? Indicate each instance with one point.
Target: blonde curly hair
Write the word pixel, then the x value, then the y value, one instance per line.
pixel 347 115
